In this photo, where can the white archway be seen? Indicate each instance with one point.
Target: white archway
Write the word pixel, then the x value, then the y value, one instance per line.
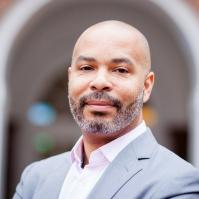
pixel 188 26
pixel 9 29
pixel 24 10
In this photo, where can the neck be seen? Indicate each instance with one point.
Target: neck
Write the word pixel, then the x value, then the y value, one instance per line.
pixel 93 141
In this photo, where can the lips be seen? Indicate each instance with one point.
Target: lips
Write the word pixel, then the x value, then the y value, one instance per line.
pixel 99 105
pixel 99 102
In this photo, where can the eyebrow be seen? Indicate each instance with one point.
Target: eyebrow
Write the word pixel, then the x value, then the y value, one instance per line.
pixel 88 59
pixel 122 60
pixel 114 60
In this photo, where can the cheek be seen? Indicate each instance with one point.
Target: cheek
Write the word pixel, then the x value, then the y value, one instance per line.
pixel 76 86
pixel 127 97
pixel 129 92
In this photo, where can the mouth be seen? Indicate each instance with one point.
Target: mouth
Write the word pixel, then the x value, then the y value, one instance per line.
pixel 99 105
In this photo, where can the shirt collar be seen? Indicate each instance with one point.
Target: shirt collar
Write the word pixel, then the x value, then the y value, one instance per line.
pixel 109 150
pixel 76 152
pixel 113 148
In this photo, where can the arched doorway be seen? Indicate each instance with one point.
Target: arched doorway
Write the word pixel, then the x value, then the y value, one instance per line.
pixel 40 50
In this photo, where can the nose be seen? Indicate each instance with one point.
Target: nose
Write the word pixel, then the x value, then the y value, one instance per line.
pixel 101 82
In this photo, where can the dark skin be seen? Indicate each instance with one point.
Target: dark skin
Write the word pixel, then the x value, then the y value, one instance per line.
pixel 118 63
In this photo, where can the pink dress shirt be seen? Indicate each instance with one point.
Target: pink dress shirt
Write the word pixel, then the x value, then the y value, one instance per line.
pixel 79 181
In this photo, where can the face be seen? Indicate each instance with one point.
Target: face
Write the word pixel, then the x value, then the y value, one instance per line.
pixel 107 83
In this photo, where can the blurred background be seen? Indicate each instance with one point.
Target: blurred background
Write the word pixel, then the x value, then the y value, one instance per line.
pixel 36 42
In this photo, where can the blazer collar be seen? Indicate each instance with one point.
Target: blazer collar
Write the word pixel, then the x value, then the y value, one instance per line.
pixel 125 166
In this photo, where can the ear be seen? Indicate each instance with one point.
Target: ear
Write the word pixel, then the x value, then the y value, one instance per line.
pixel 148 86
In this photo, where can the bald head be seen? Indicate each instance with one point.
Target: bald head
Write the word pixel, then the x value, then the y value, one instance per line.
pixel 110 32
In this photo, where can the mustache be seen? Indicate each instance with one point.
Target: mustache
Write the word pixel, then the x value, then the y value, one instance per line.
pixel 100 96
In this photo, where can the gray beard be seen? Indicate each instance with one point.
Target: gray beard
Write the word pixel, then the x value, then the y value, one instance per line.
pixel 124 117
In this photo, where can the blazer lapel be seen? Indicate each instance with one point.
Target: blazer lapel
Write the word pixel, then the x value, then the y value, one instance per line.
pixel 126 165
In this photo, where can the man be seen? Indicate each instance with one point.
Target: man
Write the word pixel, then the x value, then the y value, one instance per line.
pixel 117 155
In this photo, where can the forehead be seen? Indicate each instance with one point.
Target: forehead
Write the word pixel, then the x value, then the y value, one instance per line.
pixel 108 45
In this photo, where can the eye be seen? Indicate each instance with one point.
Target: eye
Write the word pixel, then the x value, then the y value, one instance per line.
pixel 121 70
pixel 86 68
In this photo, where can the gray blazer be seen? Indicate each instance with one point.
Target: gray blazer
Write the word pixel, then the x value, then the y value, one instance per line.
pixel 143 170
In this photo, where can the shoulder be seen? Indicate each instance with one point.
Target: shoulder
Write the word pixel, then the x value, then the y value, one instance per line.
pixel 48 165
pixel 51 163
pixel 175 175
pixel 172 162
pixel 39 171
